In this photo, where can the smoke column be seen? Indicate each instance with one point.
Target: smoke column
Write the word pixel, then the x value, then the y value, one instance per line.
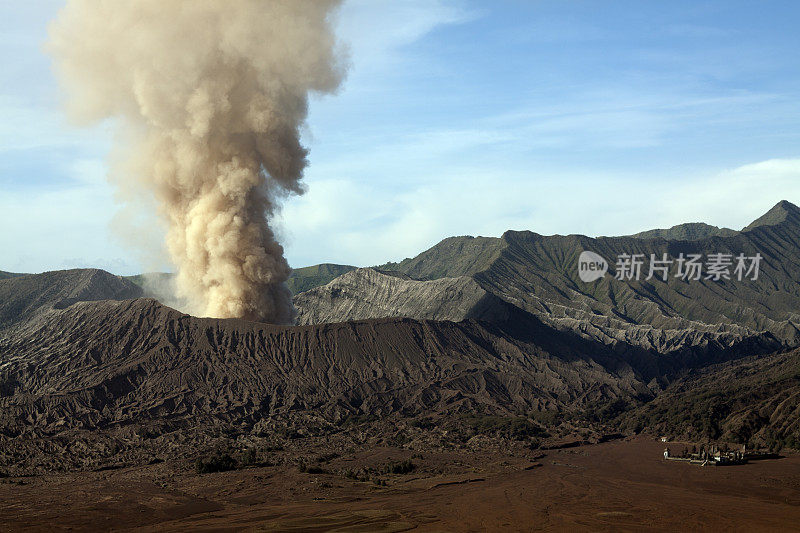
pixel 210 97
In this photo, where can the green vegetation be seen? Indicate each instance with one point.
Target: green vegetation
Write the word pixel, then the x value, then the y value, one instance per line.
pixel 356 420
pixel 549 418
pixel 216 463
pixel 516 428
pixel 312 469
pixel 751 402
pixel 361 474
pixel 252 457
pixel 400 467
pixel 8 384
pixel 367 473
pixel 398 439
pixel 606 412
pixel 425 422
pixel 225 461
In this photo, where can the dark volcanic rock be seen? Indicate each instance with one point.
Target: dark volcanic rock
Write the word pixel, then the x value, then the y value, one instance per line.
pixel 367 293
pixel 539 275
pixel 23 297
pixel 693 231
pixel 491 326
pixel 96 364
pixel 100 363
pixel 755 400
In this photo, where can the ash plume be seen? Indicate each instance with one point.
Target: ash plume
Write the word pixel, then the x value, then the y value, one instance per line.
pixel 210 97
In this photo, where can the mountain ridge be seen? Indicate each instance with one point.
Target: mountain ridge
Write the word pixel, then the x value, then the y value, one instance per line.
pixel 783 212
pixel 504 328
pixel 95 363
pixel 691 231
pixel 24 297
pixel 539 274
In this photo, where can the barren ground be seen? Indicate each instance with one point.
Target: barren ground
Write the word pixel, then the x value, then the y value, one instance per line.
pixel 616 486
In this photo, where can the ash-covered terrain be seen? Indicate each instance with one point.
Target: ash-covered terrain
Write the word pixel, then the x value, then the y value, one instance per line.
pixel 539 275
pixel 474 339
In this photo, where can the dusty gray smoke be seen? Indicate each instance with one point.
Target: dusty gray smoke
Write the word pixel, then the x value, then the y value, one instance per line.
pixel 210 97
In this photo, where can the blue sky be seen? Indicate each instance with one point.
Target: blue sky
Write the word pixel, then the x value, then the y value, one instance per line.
pixel 461 118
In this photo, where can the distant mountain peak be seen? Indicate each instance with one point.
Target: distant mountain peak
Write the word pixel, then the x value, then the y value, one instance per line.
pixel 692 231
pixel 784 211
pixel 22 297
pixel 789 206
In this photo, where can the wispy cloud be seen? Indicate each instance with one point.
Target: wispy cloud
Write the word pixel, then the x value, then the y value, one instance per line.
pixel 27 127
pixel 455 121
pixel 344 221
pixel 377 30
pixel 61 227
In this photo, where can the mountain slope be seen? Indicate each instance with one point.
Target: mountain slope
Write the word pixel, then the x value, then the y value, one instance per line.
pixel 693 231
pixel 305 278
pixel 99 363
pixel 539 274
pixel 367 293
pixel 783 213
pixel 6 275
pixel 24 297
pixel 754 401
pixel 452 257
pixel 77 359
pixel 78 356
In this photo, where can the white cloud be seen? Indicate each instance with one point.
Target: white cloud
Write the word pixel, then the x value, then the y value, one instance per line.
pixel 342 220
pixel 346 222
pixel 65 226
pixel 27 126
pixel 379 193
pixel 735 197
pixel 376 29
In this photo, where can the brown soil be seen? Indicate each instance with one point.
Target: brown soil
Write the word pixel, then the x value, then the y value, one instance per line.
pixel 615 486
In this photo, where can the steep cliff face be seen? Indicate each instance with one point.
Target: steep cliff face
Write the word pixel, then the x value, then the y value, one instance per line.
pixel 539 275
pixel 367 293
